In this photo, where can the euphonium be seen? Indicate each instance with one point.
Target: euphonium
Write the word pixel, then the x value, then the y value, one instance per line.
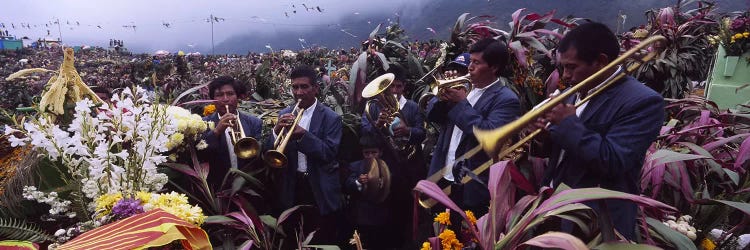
pixel 377 94
pixel 244 147
pixel 493 142
pixel 275 157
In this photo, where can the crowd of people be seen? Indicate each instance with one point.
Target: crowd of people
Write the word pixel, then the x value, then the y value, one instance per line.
pixel 597 143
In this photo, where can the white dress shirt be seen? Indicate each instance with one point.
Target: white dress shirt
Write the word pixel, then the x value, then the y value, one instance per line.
pixel 230 147
pixel 304 122
pixel 472 97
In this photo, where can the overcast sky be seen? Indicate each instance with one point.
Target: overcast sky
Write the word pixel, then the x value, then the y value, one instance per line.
pixel 143 23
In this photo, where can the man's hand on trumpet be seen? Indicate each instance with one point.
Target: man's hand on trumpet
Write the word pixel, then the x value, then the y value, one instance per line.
pixel 453 95
pixel 226 121
pixel 285 121
pixel 382 119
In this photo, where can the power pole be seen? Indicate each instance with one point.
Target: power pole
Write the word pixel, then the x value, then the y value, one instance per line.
pixel 213 19
pixel 212 34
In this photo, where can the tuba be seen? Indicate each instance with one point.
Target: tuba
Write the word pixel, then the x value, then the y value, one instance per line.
pixel 375 91
pixel 378 186
pixel 494 142
pixel 275 157
pixel 244 147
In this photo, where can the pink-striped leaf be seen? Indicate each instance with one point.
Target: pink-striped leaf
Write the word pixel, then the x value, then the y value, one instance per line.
pixel 557 240
pixel 715 144
pixel 743 154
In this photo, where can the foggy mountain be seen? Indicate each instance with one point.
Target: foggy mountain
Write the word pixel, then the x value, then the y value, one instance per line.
pixel 441 15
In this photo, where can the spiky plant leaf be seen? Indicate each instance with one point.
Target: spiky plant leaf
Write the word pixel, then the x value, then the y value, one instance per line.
pixel 14 229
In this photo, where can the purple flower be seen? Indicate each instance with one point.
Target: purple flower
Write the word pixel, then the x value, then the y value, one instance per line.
pixel 127 207
pixel 740 24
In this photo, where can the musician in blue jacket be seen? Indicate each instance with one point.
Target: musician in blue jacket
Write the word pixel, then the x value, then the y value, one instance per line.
pixel 601 143
pixel 490 104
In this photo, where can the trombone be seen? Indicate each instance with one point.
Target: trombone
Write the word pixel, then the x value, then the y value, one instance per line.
pixel 275 157
pixel 244 147
pixel 492 141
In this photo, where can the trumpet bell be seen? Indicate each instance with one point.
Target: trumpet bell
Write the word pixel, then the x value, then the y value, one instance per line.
pixel 246 148
pixel 275 159
pixel 378 85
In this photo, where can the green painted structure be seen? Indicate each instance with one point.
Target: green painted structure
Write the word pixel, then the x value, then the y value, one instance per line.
pixel 729 87
pixel 10 44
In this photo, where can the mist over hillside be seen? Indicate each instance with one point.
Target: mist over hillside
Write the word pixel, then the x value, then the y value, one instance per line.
pixel 440 15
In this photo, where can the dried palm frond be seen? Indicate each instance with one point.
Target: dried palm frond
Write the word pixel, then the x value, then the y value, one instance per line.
pixel 66 86
pixel 22 73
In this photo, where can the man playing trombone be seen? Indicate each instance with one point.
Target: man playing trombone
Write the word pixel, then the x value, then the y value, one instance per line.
pixel 220 153
pixel 602 142
pixel 489 104
pixel 311 175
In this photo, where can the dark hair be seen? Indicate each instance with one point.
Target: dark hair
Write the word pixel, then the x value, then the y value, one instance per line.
pixel 369 141
pixel 590 40
pixel 494 52
pixel 304 71
pixel 239 89
pixel 398 72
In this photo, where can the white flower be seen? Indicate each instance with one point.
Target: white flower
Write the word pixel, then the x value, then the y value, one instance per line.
pixel 8 130
pixel 201 145
pixel 60 232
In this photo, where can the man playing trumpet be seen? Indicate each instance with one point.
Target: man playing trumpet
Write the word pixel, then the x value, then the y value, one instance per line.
pixel 490 104
pixel 220 152
pixel 311 175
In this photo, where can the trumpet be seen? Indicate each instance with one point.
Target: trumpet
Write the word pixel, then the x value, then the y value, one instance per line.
pixel 244 147
pixel 439 86
pixel 275 157
pixel 494 142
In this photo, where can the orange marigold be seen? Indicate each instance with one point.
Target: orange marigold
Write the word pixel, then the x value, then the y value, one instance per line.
pixel 448 240
pixel 471 217
pixel 443 218
pixel 425 245
pixel 209 109
pixel 707 244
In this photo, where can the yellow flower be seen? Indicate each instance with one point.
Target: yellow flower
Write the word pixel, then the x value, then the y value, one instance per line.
pixel 105 203
pixel 471 217
pixel 707 244
pixel 746 34
pixel 443 218
pixel 448 240
pixel 209 110
pixel 425 245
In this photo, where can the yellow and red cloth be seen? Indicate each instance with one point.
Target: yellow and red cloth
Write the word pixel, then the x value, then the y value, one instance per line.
pixel 150 229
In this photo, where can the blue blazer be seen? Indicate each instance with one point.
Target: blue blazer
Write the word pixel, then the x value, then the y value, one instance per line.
pixel 321 145
pixel 410 112
pixel 606 146
pixel 217 153
pixel 367 212
pixel 497 106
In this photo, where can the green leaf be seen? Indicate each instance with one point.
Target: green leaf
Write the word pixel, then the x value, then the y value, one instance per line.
pixel 219 219
pixel 271 222
pixel 732 175
pixel 678 240
pixel 743 207
pixel 324 247
pixel 624 246
pixel 13 229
